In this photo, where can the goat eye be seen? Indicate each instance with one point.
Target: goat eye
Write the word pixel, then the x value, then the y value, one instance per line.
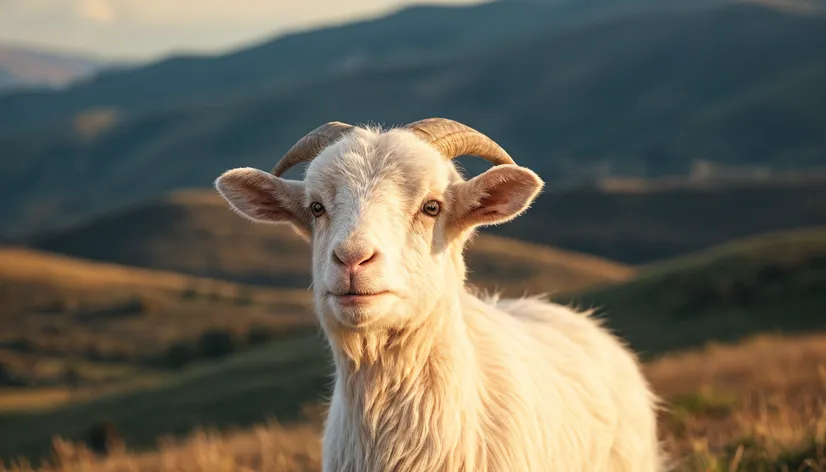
pixel 431 208
pixel 317 209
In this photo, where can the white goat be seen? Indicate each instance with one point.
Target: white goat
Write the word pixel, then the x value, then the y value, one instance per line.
pixel 429 377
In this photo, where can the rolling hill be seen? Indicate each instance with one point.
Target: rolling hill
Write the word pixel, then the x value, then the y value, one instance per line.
pixel 644 92
pixel 711 420
pixel 659 222
pixel 195 232
pixel 775 282
pixel 136 310
pixel 109 322
pixel 35 280
pixel 772 282
pixel 633 226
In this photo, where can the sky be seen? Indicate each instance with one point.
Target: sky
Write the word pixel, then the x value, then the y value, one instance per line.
pixel 146 29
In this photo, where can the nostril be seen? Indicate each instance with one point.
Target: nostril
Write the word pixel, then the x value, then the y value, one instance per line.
pixel 352 259
pixel 368 259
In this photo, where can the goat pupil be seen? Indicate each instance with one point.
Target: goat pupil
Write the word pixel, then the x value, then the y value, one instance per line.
pixel 431 208
pixel 316 208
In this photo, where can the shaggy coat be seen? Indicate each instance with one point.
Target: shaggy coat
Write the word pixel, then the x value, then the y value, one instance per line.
pixel 430 377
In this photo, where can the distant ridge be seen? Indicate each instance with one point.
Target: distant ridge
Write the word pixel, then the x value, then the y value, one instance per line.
pixel 29 68
pixel 642 92
pixel 195 232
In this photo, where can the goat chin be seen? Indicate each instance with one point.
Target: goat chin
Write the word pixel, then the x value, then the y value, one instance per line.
pixel 491 384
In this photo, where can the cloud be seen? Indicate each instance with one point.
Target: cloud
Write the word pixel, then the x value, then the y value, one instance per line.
pixel 161 12
pixel 98 11
pixel 150 28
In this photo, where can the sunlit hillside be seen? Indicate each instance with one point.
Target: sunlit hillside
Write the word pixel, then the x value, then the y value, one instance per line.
pixel 748 284
pixel 66 323
pixel 767 283
pixel 753 407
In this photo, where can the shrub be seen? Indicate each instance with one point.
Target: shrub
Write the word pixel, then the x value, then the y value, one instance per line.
pixel 103 437
pixel 178 355
pixel 7 378
pixel 217 343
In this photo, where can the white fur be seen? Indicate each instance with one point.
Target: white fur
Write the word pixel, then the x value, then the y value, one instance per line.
pixel 432 377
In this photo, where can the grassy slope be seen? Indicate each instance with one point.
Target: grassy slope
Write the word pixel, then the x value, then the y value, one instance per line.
pixel 719 400
pixel 277 379
pixel 54 278
pixel 196 232
pixel 655 312
pixel 108 322
pixel 111 322
pixel 633 94
pixel 765 283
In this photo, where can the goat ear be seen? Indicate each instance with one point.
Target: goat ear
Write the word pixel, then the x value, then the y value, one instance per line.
pixel 263 197
pixel 497 196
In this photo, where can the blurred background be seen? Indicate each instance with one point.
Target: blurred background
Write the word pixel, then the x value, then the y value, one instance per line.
pixel 144 326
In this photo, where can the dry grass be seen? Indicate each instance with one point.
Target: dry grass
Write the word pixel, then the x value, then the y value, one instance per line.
pixel 22 266
pixel 754 403
pixel 757 407
pixel 105 321
pixel 267 448
pixel 21 399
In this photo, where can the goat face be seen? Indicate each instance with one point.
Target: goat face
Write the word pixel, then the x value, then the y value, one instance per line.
pixel 387 216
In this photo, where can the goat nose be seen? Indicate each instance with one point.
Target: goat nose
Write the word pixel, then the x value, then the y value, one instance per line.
pixel 354 258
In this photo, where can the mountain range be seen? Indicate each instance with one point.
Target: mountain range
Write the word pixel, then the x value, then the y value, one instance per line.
pixel 575 90
pixel 32 68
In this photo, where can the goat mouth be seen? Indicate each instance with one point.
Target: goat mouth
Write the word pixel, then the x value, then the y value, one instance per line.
pixel 356 297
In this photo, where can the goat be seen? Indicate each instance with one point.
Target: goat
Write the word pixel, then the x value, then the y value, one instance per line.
pixel 429 376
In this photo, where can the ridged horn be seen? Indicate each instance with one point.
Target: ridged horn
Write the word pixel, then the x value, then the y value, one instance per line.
pixel 453 139
pixel 308 147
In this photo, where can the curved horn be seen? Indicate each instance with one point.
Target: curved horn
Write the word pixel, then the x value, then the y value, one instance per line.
pixel 308 147
pixel 453 139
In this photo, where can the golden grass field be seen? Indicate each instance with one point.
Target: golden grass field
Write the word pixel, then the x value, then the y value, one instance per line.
pixel 61 313
pixel 756 406
pixel 68 276
pixel 104 320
